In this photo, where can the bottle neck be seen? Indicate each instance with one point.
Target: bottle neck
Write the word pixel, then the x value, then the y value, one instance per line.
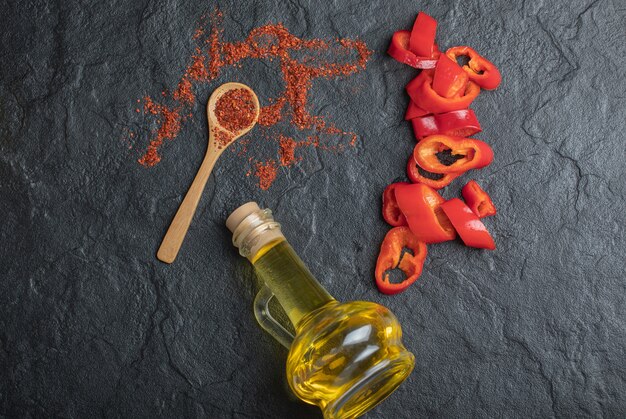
pixel 261 241
pixel 286 275
pixel 255 231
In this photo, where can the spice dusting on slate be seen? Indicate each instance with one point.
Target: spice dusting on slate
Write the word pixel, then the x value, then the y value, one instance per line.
pixel 168 129
pixel 287 151
pixel 301 62
pixel 235 110
pixel 266 172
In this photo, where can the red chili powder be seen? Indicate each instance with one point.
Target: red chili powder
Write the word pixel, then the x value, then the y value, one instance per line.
pixel 235 110
pixel 266 172
pixel 169 128
pixel 215 48
pixel 287 151
pixel 272 42
pixel 222 138
pixel 272 113
pixel 184 93
pixel 198 70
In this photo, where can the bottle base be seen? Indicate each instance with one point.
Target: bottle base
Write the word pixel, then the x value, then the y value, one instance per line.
pixel 373 387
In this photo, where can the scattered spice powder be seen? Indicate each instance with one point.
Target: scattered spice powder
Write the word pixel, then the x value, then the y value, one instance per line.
pixel 287 151
pixel 222 138
pixel 168 129
pixel 235 110
pixel 197 70
pixel 266 172
pixel 271 114
pixel 301 61
pixel 183 93
pixel 240 148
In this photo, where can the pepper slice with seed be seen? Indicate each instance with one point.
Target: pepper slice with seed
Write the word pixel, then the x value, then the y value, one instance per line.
pixel 435 180
pixel 393 255
pixel 479 69
pixel 469 153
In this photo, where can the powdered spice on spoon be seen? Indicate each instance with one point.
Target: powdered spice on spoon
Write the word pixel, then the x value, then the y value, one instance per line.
pixel 235 110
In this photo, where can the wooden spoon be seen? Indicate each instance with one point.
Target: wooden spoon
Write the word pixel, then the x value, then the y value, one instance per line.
pixel 180 224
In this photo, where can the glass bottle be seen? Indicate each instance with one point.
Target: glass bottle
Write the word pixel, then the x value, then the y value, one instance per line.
pixel 345 357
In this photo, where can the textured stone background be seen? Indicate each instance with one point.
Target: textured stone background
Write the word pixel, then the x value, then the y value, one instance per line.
pixel 91 324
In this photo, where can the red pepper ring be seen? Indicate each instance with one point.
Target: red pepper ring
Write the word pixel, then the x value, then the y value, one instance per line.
pixel 414 111
pixel 399 50
pixel 462 123
pixel 471 230
pixel 422 93
pixel 422 40
pixel 449 79
pixel 475 154
pixel 391 212
pixel 478 200
pixel 479 69
pixel 420 205
pixel 436 181
pixel 415 84
pixel 392 256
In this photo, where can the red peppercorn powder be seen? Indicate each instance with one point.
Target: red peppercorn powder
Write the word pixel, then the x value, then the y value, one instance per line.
pixel 235 110
pixel 301 62
pixel 222 138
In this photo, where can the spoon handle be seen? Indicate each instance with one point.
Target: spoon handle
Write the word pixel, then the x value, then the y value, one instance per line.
pixel 180 224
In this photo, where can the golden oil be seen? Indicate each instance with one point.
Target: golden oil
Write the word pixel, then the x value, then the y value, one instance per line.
pixel 345 357
pixel 280 268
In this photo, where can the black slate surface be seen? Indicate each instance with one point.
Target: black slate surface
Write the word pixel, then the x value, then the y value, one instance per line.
pixel 91 324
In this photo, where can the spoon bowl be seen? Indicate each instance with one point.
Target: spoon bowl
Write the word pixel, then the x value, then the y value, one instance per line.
pixel 220 137
pixel 214 124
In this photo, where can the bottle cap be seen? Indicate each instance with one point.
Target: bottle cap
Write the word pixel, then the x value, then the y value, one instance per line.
pixel 240 213
pixel 252 228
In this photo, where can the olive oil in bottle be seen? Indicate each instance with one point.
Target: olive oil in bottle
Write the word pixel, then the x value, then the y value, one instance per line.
pixel 345 357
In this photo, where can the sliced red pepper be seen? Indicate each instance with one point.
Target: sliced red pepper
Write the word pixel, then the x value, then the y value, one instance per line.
pixel 414 111
pixel 392 256
pixel 471 230
pixel 422 41
pixel 420 89
pixel 416 83
pixel 399 50
pixel 391 212
pixel 435 180
pixel 479 69
pixel 424 126
pixel 420 205
pixel 478 200
pixel 461 123
pixel 449 78
pixel 470 153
